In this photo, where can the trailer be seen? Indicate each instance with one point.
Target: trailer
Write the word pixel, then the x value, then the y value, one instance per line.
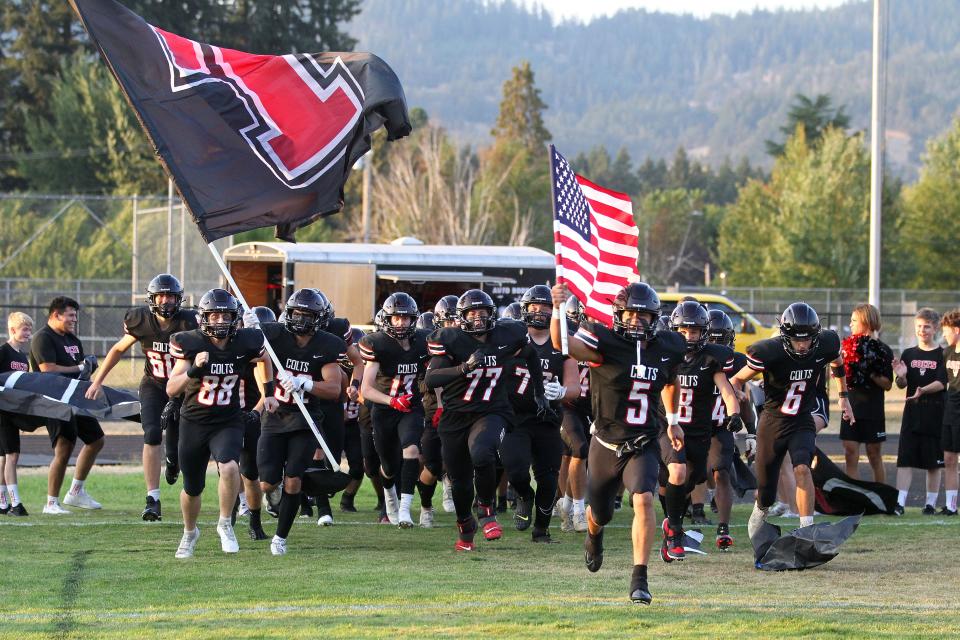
pixel 358 277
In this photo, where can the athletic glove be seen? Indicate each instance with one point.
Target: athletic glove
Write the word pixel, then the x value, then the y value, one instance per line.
pixel 733 423
pixel 252 418
pixel 435 421
pixel 250 319
pixel 545 412
pixel 170 416
pixel 475 361
pixel 750 447
pixel 402 403
pixel 553 390
pixel 294 384
pixel 87 367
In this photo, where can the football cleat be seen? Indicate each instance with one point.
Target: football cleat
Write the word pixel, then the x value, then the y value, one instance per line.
pixel 278 546
pixel 593 551
pixel 713 505
pixel 757 518
pixel 566 519
pixel 172 471
pixel 672 548
pixel 188 543
pixel 228 539
pixel 698 516
pixel 306 506
pixel 488 522
pixel 54 509
pixel 944 511
pixel 898 510
pixel 151 512
pixel 724 540
pixel 541 535
pixel 579 521
pixel 81 500
pixel 392 504
pixel 778 509
pixel 256 532
pixel 4 510
pixel 639 592
pixel 448 505
pixel 18 510
pixel 465 533
pixel 326 520
pixel 521 517
pixel 929 510
pixel 426 518
pixel 346 503
pixel 404 519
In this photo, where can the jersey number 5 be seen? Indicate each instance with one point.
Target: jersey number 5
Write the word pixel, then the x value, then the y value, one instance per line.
pixel 640 403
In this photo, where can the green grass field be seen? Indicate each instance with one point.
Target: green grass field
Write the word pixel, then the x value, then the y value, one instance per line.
pixel 107 574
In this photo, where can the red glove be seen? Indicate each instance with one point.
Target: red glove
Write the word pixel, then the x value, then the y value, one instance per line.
pixel 401 403
pixel 435 421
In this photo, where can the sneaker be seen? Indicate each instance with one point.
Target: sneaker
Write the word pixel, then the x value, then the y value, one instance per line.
pixel 404 519
pixel 488 521
pixel 81 500
pixel 672 548
pixel 392 504
pixel 541 535
pixel 556 509
pixel 757 518
pixel 171 471
pixel 699 516
pixel 465 533
pixel 244 510
pixel 789 513
pixel 579 519
pixel 521 517
pixel 593 551
pixel 382 518
pixel 928 510
pixel 326 520
pixel 724 540
pixel 946 512
pixel 639 591
pixel 187 543
pixel 306 508
pixel 256 532
pixel 4 510
pixel 346 503
pixel 54 509
pixel 278 546
pixel 273 501
pixel 448 505
pixel 18 510
pixel 151 512
pixel 898 510
pixel 426 518
pixel 778 509
pixel 228 540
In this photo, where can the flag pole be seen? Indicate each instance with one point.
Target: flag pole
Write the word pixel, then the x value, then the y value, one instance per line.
pixel 557 249
pixel 334 463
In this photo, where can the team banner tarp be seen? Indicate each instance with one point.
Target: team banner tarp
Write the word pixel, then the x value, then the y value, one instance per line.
pixel 802 548
pixel 50 395
pixel 837 494
pixel 250 140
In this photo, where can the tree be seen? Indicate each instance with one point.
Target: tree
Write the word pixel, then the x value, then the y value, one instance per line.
pixel 814 117
pixel 521 112
pixel 672 240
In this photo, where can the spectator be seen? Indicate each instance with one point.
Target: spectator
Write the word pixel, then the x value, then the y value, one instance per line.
pixel 869 368
pixel 13 357
pixel 951 409
pixel 56 349
pixel 920 369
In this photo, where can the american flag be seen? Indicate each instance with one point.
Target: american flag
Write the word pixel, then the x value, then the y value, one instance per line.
pixel 595 238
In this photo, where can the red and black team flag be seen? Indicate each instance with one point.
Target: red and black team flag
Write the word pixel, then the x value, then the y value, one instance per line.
pixel 250 140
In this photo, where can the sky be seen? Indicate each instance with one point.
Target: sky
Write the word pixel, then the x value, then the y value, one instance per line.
pixel 584 10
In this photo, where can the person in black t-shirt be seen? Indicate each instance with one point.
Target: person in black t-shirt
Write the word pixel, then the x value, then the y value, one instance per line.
pixel 951 409
pixel 920 370
pixel 866 396
pixel 151 326
pixel 13 357
pixel 56 349
pixel 211 362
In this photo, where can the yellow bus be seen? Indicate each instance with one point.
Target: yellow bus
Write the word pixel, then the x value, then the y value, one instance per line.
pixel 749 329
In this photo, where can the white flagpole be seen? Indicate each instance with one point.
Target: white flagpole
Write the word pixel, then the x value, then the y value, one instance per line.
pixel 557 250
pixel 334 462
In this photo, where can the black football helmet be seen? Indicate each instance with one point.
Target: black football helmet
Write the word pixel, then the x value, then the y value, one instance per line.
pixel 307 312
pixel 379 320
pixel 720 330
pixel 345 363
pixel 663 324
pixel 265 314
pixel 475 299
pixel 575 311
pixel 537 294
pixel 445 311
pixel 512 311
pixel 694 315
pixel 636 296
pixel 400 304
pixel 218 301
pixel 164 284
pixel 426 321
pixel 800 322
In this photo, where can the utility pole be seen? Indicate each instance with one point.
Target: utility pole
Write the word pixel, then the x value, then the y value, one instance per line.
pixel 876 147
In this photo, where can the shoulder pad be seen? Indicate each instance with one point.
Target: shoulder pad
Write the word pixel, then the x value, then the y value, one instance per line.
pixel 134 321
pixel 186 344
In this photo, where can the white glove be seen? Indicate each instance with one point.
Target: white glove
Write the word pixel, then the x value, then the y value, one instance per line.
pixel 553 390
pixel 750 445
pixel 292 383
pixel 250 319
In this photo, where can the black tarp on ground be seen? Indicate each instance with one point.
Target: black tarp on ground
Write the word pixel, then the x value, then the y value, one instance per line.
pixel 803 548
pixel 838 494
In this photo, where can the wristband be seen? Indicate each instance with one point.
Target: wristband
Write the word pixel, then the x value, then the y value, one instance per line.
pixel 673 419
pixel 843 394
pixel 268 389
pixel 556 313
pixel 195 372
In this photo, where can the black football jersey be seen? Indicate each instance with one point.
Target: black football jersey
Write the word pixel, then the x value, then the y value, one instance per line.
pixel 483 390
pixel 143 325
pixel 625 393
pixel 583 404
pixel 400 370
pixel 519 380
pixel 249 390
pixel 340 327
pixel 790 384
pixel 701 406
pixel 214 399
pixel 13 360
pixel 305 362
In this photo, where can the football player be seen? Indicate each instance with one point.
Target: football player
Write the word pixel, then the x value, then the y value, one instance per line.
pixel 211 360
pixel 468 362
pixel 430 457
pixel 535 437
pixel 707 402
pixel 790 365
pixel 633 389
pixel 395 360
pixel 575 431
pixel 352 448
pixel 444 315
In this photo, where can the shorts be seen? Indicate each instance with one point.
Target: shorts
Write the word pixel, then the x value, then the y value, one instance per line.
pixel 284 454
pixel 950 438
pixel 868 431
pixel 248 455
pixel 575 432
pixel 606 470
pixel 391 427
pixel 722 448
pixel 822 409
pixel 775 438
pixel 919 451
pixel 198 443
pixel 9 436
pixel 83 427
pixel 669 455
pixel 430 449
pixel 153 398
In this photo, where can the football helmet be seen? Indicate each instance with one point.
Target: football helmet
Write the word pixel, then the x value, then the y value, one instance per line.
pixel 800 322
pixel 218 301
pixel 575 310
pixel 537 294
pixel 426 321
pixel 693 315
pixel 164 284
pixel 307 312
pixel 472 300
pixel 512 312
pixel 636 296
pixel 720 330
pixel 400 304
pixel 445 310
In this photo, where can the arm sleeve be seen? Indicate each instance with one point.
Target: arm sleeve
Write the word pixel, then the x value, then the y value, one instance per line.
pixel 529 354
pixel 367 350
pixel 441 372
